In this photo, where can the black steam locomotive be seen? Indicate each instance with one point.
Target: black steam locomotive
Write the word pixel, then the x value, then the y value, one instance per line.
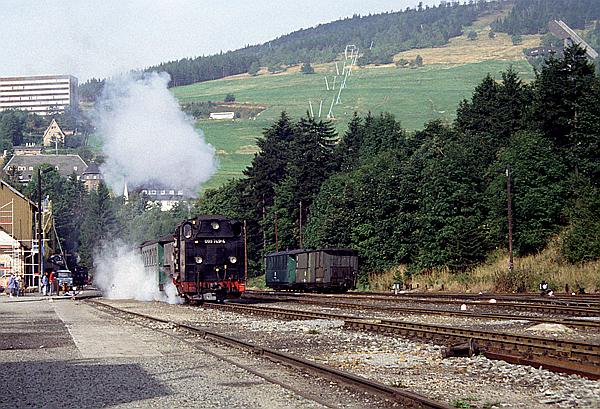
pixel 204 258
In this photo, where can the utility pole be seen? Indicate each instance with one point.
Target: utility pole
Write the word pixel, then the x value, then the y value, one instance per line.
pixel 276 236
pixel 245 253
pixel 301 224
pixel 39 226
pixel 510 221
pixel 263 227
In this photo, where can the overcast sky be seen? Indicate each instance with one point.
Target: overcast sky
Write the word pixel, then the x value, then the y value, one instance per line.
pixel 97 38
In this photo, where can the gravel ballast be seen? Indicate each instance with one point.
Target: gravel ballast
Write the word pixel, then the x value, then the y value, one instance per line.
pixel 416 366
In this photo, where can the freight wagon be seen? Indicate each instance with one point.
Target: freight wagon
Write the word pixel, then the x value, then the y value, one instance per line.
pixel 326 270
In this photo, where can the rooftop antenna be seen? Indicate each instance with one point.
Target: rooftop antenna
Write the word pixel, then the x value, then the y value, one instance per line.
pixel 320 107
pixel 333 87
pixel 326 83
pixel 337 69
pixel 371 46
pixel 311 109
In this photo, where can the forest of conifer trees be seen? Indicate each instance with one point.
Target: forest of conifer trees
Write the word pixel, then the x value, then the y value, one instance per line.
pixel 435 198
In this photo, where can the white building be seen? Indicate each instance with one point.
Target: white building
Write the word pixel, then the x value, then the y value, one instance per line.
pixel 41 94
pixel 166 199
pixel 221 115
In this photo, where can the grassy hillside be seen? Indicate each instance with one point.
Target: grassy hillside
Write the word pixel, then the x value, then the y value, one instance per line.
pixel 415 96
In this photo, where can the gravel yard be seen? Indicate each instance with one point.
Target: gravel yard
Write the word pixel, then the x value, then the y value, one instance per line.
pixel 464 382
pixel 66 354
pixel 519 326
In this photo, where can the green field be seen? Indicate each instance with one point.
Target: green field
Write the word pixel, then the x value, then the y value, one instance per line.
pixel 414 96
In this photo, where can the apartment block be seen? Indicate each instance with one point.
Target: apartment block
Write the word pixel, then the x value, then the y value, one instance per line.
pixel 42 94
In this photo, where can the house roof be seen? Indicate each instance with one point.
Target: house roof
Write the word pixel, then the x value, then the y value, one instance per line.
pixel 92 169
pixel 333 251
pixel 16 192
pixel 65 164
pixel 28 148
pixel 54 125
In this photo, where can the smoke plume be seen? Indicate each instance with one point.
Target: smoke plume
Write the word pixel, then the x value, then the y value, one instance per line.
pixel 120 274
pixel 147 140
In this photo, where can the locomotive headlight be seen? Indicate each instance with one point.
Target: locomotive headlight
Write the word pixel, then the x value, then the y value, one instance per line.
pixel 215 225
pixel 232 259
pixel 198 260
pixel 187 231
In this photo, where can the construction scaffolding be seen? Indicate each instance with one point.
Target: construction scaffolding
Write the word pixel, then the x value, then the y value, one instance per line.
pixel 18 257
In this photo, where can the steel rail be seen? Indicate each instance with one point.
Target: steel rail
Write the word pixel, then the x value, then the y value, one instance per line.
pixel 571 322
pixel 529 297
pixel 406 398
pixel 540 308
pixel 561 356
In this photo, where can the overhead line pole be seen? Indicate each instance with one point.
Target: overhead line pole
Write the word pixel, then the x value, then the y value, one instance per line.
pixel 510 220
pixel 39 224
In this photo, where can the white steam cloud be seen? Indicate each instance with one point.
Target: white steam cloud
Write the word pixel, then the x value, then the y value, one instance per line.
pixel 148 141
pixel 120 274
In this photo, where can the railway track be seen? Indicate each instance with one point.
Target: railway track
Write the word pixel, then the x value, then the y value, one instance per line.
pixel 578 299
pixel 567 300
pixel 405 398
pixel 560 356
pixel 566 310
pixel 571 322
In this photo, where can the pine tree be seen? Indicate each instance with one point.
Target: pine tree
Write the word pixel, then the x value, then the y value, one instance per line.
pixel 451 229
pixel 310 164
pixel 268 167
pixel 557 90
pixel 347 152
pixel 539 188
pixel 100 224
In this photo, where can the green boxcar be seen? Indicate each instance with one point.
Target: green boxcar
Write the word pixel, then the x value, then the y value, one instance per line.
pixel 312 270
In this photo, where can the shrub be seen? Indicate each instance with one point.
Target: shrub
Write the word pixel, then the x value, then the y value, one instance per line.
pixel 307 68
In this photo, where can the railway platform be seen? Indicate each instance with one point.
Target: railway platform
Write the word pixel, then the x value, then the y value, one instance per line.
pixel 64 353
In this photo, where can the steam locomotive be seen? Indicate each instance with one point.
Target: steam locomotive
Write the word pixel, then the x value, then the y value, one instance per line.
pixel 204 258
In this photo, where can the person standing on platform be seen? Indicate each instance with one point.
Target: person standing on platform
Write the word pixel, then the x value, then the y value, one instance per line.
pixel 45 284
pixel 12 283
pixel 52 282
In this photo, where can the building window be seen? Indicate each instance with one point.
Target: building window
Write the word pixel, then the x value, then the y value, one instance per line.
pixel 163 192
pixel 30 168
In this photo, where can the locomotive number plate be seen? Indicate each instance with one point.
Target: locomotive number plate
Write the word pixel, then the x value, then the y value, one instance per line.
pixel 214 241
